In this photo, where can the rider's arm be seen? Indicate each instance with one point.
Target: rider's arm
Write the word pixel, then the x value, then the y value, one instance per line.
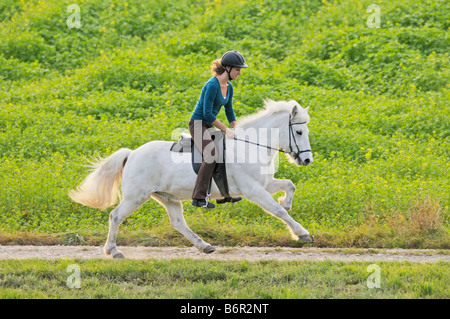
pixel 219 125
pixel 224 128
pixel 229 111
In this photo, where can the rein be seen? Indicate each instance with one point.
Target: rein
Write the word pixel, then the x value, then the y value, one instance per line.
pixel 291 132
pixel 266 146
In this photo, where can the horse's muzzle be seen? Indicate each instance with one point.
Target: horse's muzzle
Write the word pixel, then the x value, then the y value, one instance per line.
pixel 303 160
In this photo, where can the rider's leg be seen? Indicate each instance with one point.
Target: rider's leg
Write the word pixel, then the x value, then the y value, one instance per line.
pixel 203 141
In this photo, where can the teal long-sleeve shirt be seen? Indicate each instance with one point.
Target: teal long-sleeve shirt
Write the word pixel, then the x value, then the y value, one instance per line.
pixel 211 101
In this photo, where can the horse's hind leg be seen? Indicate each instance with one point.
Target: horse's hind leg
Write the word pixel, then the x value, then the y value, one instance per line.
pixel 175 210
pixel 116 217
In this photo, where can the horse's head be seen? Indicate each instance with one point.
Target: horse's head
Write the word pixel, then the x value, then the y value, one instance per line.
pixel 298 146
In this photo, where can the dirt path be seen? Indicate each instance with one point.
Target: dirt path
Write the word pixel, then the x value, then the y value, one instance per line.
pixel 229 253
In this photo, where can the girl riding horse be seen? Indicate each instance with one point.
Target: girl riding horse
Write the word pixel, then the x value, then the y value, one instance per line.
pixel 217 92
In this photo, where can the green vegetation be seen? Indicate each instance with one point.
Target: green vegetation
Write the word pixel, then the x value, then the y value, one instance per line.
pixel 220 279
pixel 133 72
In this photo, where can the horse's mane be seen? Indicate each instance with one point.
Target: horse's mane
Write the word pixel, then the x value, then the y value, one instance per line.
pixel 271 107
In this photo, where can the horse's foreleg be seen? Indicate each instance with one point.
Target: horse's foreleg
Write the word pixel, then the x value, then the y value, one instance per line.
pixel 116 217
pixel 264 199
pixel 175 210
pixel 282 185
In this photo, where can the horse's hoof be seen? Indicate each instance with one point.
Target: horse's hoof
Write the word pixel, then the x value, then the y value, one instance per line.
pixel 306 238
pixel 118 255
pixel 208 249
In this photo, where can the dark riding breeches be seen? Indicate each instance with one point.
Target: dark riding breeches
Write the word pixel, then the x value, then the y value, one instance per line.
pixel 204 143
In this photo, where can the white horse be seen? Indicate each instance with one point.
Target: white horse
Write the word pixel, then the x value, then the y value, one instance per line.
pixel 151 171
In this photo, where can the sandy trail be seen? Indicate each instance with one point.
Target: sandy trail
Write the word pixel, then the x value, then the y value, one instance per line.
pixel 229 253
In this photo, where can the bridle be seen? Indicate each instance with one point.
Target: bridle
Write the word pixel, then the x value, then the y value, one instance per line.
pixel 291 133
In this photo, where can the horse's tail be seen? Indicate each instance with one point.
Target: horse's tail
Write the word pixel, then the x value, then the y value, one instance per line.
pixel 101 188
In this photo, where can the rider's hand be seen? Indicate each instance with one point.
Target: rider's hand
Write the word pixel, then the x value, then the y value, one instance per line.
pixel 230 133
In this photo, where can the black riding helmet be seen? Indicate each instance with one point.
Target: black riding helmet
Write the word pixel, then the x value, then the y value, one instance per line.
pixel 233 59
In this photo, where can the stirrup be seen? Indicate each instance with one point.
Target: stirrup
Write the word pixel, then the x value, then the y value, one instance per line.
pixel 231 200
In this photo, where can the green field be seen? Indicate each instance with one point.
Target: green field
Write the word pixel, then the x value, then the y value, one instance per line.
pixel 192 279
pixel 133 72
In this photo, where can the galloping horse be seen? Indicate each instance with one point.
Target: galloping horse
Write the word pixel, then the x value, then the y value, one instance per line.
pixel 151 171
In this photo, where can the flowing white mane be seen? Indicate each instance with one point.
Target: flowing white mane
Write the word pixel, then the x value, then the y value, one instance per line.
pixel 271 107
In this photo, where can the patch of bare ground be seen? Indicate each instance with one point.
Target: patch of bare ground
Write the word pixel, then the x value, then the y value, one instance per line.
pixel 229 253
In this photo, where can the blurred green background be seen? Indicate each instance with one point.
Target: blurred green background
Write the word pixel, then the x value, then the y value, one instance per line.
pixel 133 72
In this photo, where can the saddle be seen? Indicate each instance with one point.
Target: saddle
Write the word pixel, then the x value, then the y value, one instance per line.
pixel 186 145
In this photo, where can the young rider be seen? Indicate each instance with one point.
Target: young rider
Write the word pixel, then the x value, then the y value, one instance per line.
pixel 216 92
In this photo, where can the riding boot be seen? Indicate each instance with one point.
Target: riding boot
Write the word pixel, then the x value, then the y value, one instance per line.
pixel 231 200
pixel 202 203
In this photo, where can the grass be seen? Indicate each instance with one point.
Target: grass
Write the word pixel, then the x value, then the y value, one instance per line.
pixel 422 228
pixel 133 72
pixel 178 278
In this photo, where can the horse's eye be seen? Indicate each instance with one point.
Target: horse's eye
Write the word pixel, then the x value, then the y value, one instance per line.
pixel 299 132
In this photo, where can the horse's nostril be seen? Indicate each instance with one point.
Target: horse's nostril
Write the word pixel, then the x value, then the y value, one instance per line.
pixel 307 161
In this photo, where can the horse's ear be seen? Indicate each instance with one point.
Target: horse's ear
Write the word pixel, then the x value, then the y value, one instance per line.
pixel 294 111
pixel 307 108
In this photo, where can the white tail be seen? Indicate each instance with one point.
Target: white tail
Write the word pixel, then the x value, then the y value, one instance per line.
pixel 101 188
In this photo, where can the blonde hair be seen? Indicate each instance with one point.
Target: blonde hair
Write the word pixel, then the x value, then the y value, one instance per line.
pixel 217 68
